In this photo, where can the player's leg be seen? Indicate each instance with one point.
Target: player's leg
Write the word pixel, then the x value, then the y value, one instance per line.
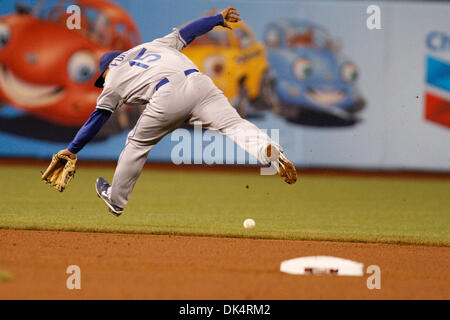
pixel 128 170
pixel 218 115
pixel 151 127
pixel 215 112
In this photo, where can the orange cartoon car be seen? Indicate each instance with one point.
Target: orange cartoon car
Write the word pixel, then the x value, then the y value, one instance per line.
pixel 47 69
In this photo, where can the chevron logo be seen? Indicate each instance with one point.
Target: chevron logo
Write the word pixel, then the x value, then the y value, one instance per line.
pixel 437 102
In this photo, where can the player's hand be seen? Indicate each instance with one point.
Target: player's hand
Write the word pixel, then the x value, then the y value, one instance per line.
pixel 66 152
pixel 230 15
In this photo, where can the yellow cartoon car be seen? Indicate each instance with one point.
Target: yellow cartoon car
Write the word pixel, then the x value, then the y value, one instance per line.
pixel 237 63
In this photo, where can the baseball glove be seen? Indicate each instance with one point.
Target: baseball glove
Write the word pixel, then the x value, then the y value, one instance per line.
pixel 60 171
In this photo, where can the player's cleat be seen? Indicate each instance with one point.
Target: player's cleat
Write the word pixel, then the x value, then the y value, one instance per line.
pixel 286 169
pixel 101 186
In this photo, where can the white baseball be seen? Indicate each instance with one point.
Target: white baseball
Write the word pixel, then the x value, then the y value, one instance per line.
pixel 249 223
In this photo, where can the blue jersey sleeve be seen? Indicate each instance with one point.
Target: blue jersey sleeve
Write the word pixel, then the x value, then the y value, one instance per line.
pixel 89 129
pixel 199 27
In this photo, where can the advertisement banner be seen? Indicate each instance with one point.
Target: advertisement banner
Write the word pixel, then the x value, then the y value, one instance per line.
pixel 343 84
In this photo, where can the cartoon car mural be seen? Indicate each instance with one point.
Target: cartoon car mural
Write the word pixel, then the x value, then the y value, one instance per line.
pixel 314 84
pixel 48 70
pixel 237 63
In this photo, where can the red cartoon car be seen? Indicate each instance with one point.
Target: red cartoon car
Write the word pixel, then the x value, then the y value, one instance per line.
pixel 47 69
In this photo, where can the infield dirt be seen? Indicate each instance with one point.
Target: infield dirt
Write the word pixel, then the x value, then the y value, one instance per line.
pixel 130 266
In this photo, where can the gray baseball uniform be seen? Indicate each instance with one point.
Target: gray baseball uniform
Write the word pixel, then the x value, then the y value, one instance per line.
pixel 133 78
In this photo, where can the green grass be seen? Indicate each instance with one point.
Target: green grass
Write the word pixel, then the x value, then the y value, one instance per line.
pixel 216 203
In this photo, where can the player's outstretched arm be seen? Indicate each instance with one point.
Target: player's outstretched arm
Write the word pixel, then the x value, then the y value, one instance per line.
pixel 203 25
pixel 87 132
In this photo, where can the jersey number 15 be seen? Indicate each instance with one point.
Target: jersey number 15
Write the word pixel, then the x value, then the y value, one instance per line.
pixel 143 59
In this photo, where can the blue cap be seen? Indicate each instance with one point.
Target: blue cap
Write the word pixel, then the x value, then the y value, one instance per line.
pixel 105 60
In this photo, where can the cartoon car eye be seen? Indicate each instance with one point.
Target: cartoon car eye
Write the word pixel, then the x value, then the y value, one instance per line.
pixel 213 65
pixel 272 38
pixel 82 66
pixel 302 68
pixel 349 72
pixel 5 34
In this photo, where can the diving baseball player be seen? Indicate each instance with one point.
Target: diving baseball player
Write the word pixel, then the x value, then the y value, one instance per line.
pixel 156 74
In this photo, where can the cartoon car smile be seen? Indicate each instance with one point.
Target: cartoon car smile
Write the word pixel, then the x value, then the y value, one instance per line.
pixel 237 63
pixel 46 69
pixel 27 93
pixel 315 86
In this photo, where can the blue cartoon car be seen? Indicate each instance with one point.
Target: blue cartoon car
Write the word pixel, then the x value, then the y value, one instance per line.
pixel 314 84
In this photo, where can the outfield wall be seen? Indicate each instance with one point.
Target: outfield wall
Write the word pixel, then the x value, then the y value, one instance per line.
pixel 403 78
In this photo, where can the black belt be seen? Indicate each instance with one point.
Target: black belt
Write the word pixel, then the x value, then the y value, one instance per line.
pixel 165 80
